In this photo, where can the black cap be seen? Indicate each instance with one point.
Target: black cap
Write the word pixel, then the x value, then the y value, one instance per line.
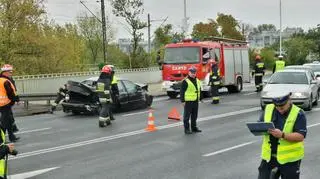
pixel 282 99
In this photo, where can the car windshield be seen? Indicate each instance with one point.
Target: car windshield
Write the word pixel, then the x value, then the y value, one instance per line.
pixel 289 78
pixel 181 55
pixel 315 68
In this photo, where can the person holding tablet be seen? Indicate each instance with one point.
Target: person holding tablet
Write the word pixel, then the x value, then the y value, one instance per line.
pixel 283 146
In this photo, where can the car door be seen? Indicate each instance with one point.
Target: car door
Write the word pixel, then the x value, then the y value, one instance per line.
pixel 135 94
pixel 123 94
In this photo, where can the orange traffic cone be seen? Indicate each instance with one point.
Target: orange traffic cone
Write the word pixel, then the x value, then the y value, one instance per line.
pixel 174 114
pixel 150 127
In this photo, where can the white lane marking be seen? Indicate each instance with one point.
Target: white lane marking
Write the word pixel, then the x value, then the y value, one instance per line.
pixel 242 145
pixel 122 135
pixel 131 114
pixel 35 130
pixel 31 174
pixel 247 94
pixel 227 149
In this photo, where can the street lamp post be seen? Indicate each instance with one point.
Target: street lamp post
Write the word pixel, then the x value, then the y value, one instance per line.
pixel 280 53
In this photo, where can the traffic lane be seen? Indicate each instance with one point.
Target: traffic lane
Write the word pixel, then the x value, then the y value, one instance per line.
pixel 169 153
pixel 67 129
pixel 133 154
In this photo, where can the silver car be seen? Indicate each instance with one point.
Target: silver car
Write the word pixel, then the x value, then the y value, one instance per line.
pixel 315 67
pixel 300 82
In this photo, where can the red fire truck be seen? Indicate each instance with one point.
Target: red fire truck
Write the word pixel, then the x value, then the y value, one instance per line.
pixel 232 56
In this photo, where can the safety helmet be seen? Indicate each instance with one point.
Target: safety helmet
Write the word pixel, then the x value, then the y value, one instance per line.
pixel 106 69
pixel 6 67
pixel 112 67
pixel 258 57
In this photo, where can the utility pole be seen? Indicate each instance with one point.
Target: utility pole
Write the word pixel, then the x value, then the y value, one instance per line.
pixel 149 33
pixel 280 53
pixel 104 34
pixel 185 19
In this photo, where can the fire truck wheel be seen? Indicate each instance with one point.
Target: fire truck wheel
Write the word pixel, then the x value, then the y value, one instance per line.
pixel 172 95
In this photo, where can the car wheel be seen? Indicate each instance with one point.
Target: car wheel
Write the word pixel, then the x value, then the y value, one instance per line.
pixel 75 112
pixel 101 124
pixel 309 108
pixel 316 101
pixel 172 95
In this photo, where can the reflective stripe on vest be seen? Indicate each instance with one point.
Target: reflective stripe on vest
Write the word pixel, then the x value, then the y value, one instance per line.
pixel 192 93
pixel 4 100
pixel 114 80
pixel 280 65
pixel 260 65
pixel 2 162
pixel 286 151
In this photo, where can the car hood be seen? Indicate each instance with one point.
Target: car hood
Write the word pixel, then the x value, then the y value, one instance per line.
pixel 271 90
pixel 77 87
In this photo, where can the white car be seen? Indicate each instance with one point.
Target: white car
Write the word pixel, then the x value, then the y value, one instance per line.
pixel 300 83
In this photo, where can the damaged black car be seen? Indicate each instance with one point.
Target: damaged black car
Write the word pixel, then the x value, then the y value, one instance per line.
pixel 81 97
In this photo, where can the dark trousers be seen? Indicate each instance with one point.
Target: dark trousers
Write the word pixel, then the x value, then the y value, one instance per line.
pixel 7 121
pixel 190 110
pixel 106 111
pixel 286 171
pixel 258 82
pixel 215 93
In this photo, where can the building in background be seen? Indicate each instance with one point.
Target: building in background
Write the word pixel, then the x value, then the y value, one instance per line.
pixel 266 38
pixel 125 46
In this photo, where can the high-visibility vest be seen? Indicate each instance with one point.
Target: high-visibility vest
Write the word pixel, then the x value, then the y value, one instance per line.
pixel 2 161
pixel 280 65
pixel 286 151
pixel 192 93
pixel 4 100
pixel 114 80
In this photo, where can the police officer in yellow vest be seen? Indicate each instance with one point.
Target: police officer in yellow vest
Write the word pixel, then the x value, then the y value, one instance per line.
pixel 8 97
pixel 283 147
pixel 5 149
pixel 279 64
pixel 190 95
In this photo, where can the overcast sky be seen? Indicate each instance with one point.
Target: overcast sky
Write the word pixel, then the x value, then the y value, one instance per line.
pixel 296 13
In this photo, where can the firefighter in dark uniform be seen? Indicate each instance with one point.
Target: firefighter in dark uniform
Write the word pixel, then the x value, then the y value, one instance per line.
pixel 105 90
pixel 8 97
pixel 60 96
pixel 215 82
pixel 283 147
pixel 258 73
pixel 190 95
pixel 279 64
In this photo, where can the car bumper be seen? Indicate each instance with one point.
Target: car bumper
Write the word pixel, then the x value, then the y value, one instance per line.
pixel 301 102
pixel 79 107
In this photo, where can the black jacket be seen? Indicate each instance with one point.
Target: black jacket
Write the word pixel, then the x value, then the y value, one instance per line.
pixel 184 87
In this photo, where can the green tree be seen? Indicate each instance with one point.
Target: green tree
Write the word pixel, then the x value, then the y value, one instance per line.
pixel 131 10
pixel 298 49
pixel 229 26
pixel 163 36
pixel 265 27
pixel 203 30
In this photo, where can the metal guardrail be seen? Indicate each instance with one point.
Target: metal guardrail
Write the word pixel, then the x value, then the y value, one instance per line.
pixel 70 74
pixel 37 97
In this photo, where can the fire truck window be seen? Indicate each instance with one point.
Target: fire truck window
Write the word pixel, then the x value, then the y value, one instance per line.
pixel 182 55
pixel 205 54
pixel 217 54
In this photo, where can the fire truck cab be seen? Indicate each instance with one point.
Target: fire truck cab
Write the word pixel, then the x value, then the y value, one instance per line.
pixel 232 56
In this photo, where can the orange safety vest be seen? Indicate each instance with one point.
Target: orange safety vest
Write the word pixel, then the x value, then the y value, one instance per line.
pixel 4 100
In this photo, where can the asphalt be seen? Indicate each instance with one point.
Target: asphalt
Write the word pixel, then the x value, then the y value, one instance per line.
pixel 75 147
